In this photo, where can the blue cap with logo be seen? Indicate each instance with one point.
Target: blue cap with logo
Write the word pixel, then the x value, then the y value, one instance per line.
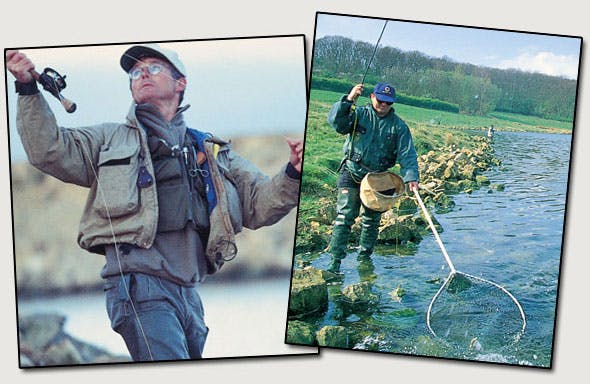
pixel 384 92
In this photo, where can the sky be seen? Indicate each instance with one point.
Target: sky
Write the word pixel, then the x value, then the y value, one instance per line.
pixel 531 52
pixel 236 87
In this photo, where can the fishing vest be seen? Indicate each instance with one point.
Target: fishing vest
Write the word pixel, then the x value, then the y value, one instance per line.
pixel 181 187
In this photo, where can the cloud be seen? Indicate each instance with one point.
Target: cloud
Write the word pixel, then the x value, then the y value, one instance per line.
pixel 547 63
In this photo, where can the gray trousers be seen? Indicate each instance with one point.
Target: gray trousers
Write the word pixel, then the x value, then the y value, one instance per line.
pixel 158 319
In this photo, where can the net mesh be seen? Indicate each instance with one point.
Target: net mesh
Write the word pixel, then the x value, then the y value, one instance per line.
pixel 475 313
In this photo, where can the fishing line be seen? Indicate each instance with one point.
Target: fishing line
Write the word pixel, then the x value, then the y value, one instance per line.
pixel 116 246
pixel 57 84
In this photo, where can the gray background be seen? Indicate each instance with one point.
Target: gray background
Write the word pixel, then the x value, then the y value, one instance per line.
pixel 109 21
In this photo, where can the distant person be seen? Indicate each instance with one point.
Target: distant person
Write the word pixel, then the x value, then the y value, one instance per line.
pixel 377 140
pixel 491 131
pixel 165 201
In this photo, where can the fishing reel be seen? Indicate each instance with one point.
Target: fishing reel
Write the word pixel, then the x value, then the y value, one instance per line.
pixel 54 83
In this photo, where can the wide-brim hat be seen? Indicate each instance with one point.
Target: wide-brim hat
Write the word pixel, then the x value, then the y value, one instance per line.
pixel 380 190
pixel 138 52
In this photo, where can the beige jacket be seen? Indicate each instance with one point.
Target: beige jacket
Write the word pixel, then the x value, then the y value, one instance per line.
pixel 107 159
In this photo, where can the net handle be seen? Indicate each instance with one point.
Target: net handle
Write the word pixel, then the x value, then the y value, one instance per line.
pixel 434 231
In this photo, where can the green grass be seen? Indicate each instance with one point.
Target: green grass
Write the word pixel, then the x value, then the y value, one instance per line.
pixel 500 120
pixel 532 120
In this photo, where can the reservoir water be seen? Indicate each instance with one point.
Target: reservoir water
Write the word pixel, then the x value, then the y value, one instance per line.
pixel 511 237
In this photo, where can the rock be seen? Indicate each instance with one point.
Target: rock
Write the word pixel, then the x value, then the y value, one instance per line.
pixel 359 293
pixel 406 312
pixel 309 293
pixel 63 352
pixel 443 202
pixel 398 233
pixel 299 332
pixel 482 180
pixel 397 294
pixel 43 342
pixel 405 206
pixel 426 345
pixel 468 172
pixel 466 184
pixel 332 336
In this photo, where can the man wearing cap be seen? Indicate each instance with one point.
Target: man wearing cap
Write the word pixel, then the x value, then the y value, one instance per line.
pixel 165 201
pixel 377 140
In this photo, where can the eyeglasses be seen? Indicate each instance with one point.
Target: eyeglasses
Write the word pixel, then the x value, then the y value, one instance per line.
pixel 153 69
pixel 385 102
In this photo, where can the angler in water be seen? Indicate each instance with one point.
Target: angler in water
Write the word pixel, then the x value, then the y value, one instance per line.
pixel 165 201
pixel 377 140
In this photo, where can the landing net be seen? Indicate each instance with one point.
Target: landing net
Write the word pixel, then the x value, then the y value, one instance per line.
pixel 470 311
pixel 475 313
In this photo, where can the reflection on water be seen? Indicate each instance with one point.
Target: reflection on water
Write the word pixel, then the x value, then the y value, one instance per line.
pixel 244 319
pixel 512 237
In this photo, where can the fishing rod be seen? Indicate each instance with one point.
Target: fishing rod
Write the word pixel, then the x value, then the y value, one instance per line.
pixel 353 108
pixel 54 83
pixel 374 51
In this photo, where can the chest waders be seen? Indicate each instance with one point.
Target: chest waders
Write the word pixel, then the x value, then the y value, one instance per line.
pixel 348 206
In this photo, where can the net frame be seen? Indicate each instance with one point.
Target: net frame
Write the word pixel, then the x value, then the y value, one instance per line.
pixel 480 279
pixel 454 272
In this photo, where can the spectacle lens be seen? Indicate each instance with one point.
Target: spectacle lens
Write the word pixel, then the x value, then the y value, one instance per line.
pixel 153 69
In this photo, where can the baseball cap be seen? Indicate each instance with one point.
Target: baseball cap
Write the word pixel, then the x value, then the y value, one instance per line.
pixel 138 52
pixel 384 92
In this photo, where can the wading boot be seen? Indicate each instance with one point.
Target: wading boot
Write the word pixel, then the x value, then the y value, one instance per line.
pixel 369 233
pixel 347 208
pixel 338 245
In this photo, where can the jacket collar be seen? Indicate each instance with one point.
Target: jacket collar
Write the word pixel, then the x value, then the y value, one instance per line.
pixel 133 121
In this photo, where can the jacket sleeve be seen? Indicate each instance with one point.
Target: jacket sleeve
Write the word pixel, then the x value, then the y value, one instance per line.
pixel 406 154
pixel 340 117
pixel 264 200
pixel 67 154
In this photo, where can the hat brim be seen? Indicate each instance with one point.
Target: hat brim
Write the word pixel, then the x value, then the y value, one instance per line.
pixel 138 52
pixel 373 188
pixel 384 98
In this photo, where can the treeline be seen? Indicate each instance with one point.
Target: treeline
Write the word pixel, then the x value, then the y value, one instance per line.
pixel 473 89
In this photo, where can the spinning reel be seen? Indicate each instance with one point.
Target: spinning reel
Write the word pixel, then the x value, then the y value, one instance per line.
pixel 54 83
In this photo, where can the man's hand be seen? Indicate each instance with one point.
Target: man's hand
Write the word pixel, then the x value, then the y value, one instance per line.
pixel 355 92
pixel 20 66
pixel 413 186
pixel 296 155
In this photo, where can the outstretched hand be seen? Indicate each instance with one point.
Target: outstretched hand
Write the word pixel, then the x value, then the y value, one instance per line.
pixel 19 65
pixel 296 155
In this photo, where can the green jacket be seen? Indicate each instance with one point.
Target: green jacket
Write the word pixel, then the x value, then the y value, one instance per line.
pixel 378 143
pixel 107 159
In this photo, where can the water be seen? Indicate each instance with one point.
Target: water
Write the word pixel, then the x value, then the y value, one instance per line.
pixel 512 237
pixel 244 319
